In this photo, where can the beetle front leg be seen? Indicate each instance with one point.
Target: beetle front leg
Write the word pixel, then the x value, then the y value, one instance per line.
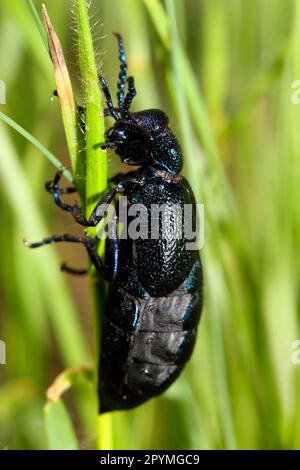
pixel 101 207
pixel 122 177
pixel 52 186
pixel 98 213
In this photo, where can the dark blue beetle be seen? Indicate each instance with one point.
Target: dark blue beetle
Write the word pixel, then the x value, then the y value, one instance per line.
pixel 155 295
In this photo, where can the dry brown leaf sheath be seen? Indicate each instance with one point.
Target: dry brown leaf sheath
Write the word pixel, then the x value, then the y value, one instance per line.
pixel 63 85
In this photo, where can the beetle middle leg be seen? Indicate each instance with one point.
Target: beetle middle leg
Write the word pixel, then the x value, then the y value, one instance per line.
pixel 107 270
pixel 104 270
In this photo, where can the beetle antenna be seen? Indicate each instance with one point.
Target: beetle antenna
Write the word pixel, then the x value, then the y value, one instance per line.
pixel 129 97
pixel 110 106
pixel 123 71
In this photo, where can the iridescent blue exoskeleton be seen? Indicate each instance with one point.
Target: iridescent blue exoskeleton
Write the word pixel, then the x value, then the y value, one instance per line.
pixel 155 294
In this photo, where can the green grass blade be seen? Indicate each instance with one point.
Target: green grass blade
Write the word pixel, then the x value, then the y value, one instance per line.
pixel 96 162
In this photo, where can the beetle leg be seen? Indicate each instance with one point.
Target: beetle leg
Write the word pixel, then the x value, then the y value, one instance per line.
pixel 99 211
pixel 89 244
pixel 106 112
pixel 101 207
pixel 128 98
pixel 120 177
pixel 53 186
pixel 106 92
pixel 68 269
pixel 112 252
pixel 68 190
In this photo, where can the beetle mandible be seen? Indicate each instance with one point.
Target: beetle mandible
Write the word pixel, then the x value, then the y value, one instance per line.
pixel 155 293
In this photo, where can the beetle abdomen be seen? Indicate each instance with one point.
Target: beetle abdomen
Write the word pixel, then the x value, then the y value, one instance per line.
pixel 145 343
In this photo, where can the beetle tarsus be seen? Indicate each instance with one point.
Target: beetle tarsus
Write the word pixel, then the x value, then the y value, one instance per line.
pixel 76 271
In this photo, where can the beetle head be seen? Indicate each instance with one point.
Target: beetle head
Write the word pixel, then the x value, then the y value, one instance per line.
pixel 133 136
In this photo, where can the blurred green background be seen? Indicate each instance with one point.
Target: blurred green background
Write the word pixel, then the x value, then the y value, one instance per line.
pixel 223 71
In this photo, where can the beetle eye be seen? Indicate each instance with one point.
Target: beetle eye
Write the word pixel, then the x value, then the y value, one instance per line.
pixel 116 134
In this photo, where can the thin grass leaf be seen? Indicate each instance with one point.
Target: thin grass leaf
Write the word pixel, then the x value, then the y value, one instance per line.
pixel 54 160
pixel 160 20
pixel 59 428
pixel 38 22
pixel 22 17
pixel 261 86
pixel 177 87
pixel 66 379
